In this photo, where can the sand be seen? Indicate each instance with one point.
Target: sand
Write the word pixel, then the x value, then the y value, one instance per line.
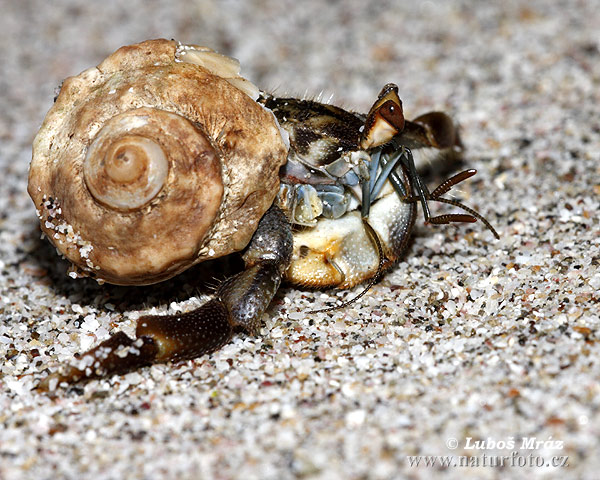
pixel 480 352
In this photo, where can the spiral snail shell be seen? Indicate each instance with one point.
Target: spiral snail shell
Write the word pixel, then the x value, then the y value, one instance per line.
pixel 141 167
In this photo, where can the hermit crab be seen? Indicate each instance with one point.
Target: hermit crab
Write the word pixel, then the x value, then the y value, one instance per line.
pixel 163 156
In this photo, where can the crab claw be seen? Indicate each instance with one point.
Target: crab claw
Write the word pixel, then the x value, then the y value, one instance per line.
pixel 158 339
pixel 238 305
pixel 118 354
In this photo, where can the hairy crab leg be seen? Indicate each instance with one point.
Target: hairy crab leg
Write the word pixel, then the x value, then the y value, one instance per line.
pixel 238 305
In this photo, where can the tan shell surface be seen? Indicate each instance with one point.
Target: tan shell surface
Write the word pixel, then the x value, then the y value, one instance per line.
pixel 215 192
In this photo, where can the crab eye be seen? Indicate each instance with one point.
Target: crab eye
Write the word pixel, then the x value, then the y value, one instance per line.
pixel 392 113
pixel 385 119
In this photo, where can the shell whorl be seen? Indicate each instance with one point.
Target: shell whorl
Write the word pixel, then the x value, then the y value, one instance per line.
pixel 125 166
pixel 152 162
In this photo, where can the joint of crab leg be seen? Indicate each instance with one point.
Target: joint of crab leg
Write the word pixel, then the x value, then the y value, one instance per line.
pixel 248 294
pixel 187 335
pixel 398 185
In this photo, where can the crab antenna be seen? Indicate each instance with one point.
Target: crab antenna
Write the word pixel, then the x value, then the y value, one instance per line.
pixel 374 279
pixel 475 214
pixel 446 185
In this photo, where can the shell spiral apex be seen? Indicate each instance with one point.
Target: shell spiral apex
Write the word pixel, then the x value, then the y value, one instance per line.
pixel 140 168
pixel 128 171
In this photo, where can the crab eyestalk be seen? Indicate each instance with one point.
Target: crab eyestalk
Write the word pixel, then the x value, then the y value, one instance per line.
pixel 385 120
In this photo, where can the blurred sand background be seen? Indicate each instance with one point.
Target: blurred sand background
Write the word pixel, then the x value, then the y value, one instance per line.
pixel 467 338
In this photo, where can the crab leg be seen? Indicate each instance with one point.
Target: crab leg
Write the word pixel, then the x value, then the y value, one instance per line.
pixel 238 305
pixel 375 183
pixel 386 169
pixel 417 182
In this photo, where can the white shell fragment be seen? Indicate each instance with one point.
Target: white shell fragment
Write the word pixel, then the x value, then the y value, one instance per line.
pixel 221 65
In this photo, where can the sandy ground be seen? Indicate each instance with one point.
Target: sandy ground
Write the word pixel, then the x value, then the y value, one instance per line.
pixel 471 349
